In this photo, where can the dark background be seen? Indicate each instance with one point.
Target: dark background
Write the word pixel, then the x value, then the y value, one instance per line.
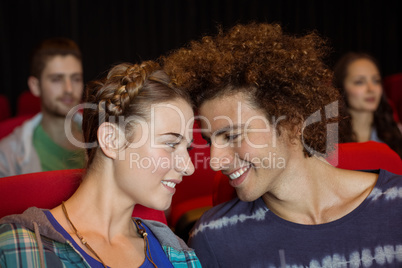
pixel 110 32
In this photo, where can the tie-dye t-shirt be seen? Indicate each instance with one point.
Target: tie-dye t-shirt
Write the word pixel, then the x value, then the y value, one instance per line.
pixel 248 234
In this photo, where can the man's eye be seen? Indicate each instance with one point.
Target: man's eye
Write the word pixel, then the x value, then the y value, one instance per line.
pixel 208 142
pixel 232 137
pixel 77 80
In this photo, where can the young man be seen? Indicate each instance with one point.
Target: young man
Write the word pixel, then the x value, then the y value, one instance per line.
pixel 43 143
pixel 267 106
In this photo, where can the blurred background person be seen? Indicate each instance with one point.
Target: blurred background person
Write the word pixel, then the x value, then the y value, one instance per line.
pixel 367 114
pixel 42 143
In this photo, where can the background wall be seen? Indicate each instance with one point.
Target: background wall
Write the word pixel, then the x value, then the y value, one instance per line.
pixel 110 32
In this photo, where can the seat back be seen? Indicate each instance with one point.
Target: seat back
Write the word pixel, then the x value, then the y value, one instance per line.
pixel 7 126
pixel 352 156
pixel 366 155
pixel 5 109
pixel 28 104
pixel 393 90
pixel 47 190
pixel 222 191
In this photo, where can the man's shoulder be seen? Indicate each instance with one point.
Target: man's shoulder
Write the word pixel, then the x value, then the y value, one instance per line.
pixel 13 137
pixel 388 187
pixel 388 180
pixel 19 132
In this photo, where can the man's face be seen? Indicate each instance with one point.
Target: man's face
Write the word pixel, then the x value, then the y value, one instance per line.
pixel 244 145
pixel 61 85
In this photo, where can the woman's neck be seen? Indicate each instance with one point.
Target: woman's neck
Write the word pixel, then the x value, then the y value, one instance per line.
pixel 362 123
pixel 106 203
pixel 99 206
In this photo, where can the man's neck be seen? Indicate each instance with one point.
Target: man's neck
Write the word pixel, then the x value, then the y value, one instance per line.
pixel 54 127
pixel 317 193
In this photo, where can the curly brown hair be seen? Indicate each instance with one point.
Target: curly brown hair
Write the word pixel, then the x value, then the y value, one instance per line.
pixel 126 93
pixel 282 74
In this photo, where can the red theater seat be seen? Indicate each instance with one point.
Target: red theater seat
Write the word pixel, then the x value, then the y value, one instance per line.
pixel 5 109
pixel 393 90
pixel 366 155
pixel 28 104
pixel 47 190
pixel 352 156
pixel 7 126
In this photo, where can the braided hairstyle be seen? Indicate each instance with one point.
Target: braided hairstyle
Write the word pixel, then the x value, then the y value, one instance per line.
pixel 127 92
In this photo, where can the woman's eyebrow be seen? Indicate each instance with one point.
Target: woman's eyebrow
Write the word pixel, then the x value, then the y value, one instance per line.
pixel 179 136
pixel 172 134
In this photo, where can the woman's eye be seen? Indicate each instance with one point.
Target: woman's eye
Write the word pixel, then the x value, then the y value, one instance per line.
pixel 378 81
pixel 172 144
pixel 359 82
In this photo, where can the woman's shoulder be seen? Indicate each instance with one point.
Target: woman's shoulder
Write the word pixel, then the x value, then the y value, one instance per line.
pixel 13 234
pixel 173 246
pixel 11 229
pixel 164 234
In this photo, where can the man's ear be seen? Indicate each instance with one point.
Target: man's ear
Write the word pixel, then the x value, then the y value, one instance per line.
pixel 33 84
pixel 111 139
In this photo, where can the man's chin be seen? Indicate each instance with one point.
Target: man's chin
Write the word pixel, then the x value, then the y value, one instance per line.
pixel 61 113
pixel 246 197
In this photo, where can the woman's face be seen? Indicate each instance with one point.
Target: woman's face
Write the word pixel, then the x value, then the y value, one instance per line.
pixel 157 158
pixel 363 86
pixel 244 145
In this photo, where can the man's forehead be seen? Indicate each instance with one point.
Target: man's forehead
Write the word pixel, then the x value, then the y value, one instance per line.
pixel 62 63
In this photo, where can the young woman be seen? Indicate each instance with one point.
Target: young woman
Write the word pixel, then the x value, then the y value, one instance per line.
pixel 266 103
pixel 137 130
pixel 368 115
